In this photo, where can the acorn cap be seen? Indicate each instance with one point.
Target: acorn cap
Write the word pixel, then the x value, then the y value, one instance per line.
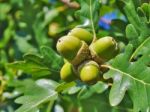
pixel 68 46
pixel 104 49
pixel 82 54
pixel 67 73
pixel 82 34
pixel 89 72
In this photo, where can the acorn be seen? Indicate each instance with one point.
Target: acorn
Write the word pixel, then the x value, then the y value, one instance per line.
pixel 53 29
pixel 89 72
pixel 82 34
pixel 73 49
pixel 104 49
pixel 67 72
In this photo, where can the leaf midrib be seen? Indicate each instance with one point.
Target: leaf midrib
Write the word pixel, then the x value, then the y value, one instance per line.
pixel 112 68
pixel 38 103
pixel 141 45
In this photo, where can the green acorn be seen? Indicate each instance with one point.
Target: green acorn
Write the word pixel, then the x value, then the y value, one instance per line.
pixel 104 49
pixel 89 72
pixel 82 34
pixel 73 49
pixel 67 72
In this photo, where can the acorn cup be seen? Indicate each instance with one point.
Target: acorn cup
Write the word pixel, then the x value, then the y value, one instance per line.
pixel 104 49
pixel 89 72
pixel 73 49
pixel 67 72
pixel 82 34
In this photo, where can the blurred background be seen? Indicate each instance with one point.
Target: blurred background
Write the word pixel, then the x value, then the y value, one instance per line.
pixel 26 25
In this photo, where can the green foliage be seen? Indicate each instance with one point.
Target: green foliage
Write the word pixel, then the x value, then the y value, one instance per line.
pixel 48 63
pixel 99 103
pixel 25 28
pixel 32 98
pixel 132 77
pixel 87 92
pixel 51 58
pixel 89 11
pixel 129 72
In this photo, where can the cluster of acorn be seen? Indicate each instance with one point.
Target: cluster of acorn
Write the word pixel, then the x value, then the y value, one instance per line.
pixel 84 56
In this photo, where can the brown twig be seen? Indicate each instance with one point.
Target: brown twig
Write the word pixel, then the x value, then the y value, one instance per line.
pixel 71 4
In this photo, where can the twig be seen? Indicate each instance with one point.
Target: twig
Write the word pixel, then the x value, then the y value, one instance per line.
pixel 71 4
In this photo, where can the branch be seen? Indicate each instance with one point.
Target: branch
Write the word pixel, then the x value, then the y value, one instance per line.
pixel 71 4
